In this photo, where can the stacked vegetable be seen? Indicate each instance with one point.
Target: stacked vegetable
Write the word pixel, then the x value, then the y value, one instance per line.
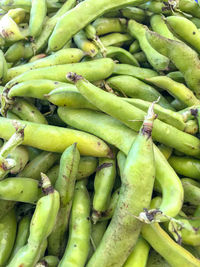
pixel 99 128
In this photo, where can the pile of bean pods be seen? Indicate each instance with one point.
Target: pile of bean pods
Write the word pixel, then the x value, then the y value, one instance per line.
pixel 99 133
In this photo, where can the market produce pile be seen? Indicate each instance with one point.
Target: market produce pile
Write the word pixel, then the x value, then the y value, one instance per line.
pixel 99 133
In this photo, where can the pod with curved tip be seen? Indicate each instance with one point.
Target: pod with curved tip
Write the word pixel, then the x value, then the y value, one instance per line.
pixel 184 58
pixel 157 60
pixel 177 90
pixel 115 39
pixel 59 138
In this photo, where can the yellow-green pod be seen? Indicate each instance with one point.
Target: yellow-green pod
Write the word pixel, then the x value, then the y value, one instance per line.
pixel 37 15
pixel 139 255
pixel 83 43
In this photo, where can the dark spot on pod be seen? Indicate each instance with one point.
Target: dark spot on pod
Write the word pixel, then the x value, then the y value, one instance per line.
pixel 194 112
pixel 194 33
pixel 75 245
pixel 48 190
pixel 22 192
pixel 104 165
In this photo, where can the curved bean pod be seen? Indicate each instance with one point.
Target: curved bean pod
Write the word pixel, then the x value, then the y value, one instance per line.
pixel 126 113
pixel 64 56
pixel 108 25
pixel 191 191
pixel 37 15
pixel 117 134
pixel 59 138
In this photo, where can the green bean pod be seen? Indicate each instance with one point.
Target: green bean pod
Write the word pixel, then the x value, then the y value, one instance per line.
pixel 176 76
pixel 140 73
pixel 103 185
pixel 15 52
pixel 183 57
pixel 134 47
pixel 173 253
pixel 177 90
pixel 126 113
pixel 59 138
pixel 42 163
pixel 64 56
pixel 83 43
pixel 134 13
pixel 117 134
pixel 139 256
pixel 97 233
pixel 8 227
pixel 94 71
pixel 123 230
pixel 191 191
pixel 166 115
pixel 122 55
pixel 190 7
pixel 36 88
pixel 88 11
pixel 109 25
pixel 41 226
pixel 186 166
pixel 158 25
pixel 157 60
pixel 19 189
pixel 27 111
pixel 78 246
pixel 115 39
pixel 22 235
pixel 133 87
pixel 21 157
pixel 37 15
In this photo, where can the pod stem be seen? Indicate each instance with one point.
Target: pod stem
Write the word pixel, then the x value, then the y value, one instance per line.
pixel 148 120
pixel 47 188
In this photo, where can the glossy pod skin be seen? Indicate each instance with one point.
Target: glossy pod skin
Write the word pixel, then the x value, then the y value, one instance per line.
pixel 157 60
pixel 103 185
pixel 65 185
pixel 179 53
pixel 8 228
pixel 186 29
pixel 123 230
pixel 19 189
pixel 64 56
pixel 36 88
pixel 42 163
pixel 133 87
pixel 22 235
pixel 186 166
pixel 139 255
pixel 119 135
pixel 108 25
pixel 173 253
pixel 35 135
pixel 78 246
pixel 177 90
pixel 119 109
pixel 37 15
pixel 94 71
pixel 88 11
